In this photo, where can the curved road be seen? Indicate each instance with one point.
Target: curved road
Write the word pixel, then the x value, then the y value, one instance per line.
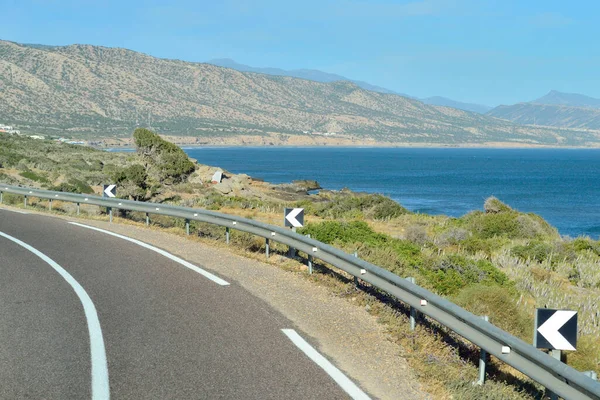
pixel 169 331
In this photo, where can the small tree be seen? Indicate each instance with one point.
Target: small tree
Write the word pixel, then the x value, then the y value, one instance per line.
pixel 166 162
pixel 132 182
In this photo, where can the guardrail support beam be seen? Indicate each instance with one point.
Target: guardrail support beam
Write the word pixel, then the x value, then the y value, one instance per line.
pixel 78 208
pixel 413 311
pixel 25 201
pixel 187 227
pixel 310 260
pixel 50 205
pixel 292 251
pixel 227 234
pixel 267 247
pixel 1 193
pixel 482 360
pixel 110 214
pixel 557 354
pixel 147 219
pixel 356 278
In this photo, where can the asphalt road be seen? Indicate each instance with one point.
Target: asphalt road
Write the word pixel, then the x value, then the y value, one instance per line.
pixel 168 332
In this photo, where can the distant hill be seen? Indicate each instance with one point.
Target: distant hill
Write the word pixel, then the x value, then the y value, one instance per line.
pixel 568 99
pixel 92 90
pixel 310 74
pixel 320 76
pixel 565 110
pixel 446 102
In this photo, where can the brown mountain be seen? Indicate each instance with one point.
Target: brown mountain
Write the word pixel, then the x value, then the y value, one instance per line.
pixel 566 110
pixel 103 91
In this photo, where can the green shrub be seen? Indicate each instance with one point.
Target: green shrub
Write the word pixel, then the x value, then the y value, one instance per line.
pixel 449 274
pixel 500 303
pixel 34 177
pixel 493 206
pixel 537 251
pixel 73 186
pixel 132 182
pixel 346 205
pixel 168 162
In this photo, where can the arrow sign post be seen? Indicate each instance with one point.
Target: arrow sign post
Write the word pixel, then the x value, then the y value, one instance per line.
pixel 556 329
pixel 109 191
pixel 293 217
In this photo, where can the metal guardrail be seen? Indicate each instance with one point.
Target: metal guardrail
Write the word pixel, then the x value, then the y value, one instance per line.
pixel 558 377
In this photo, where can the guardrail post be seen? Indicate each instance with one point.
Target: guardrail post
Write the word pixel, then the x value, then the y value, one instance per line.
pixel 147 219
pixel 227 234
pixel 482 360
pixel 25 201
pixel 78 207
pixel 50 205
pixel 110 214
pixel 310 260
pixel 1 197
pixel 292 251
pixel 267 247
pixel 557 355
pixel 356 278
pixel 413 311
pixel 187 227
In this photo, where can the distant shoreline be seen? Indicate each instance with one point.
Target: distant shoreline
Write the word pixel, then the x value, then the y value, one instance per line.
pixel 274 139
pixel 382 146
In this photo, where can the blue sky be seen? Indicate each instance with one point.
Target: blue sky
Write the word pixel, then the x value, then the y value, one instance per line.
pixel 490 52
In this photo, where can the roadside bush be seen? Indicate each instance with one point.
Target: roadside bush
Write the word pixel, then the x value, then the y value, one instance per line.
pixel 132 182
pixel 452 236
pixel 34 177
pixel 73 186
pixel 500 303
pixel 416 234
pixel 494 206
pixel 351 206
pixel 537 251
pixel 449 274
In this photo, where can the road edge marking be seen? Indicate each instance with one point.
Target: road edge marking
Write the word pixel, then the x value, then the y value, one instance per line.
pixel 15 211
pixel 178 260
pixel 338 376
pixel 100 384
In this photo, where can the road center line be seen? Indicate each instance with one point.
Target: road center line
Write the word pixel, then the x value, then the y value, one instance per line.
pixel 100 386
pixel 338 376
pixel 181 261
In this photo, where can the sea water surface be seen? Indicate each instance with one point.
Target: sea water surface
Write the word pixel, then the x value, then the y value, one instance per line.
pixel 561 185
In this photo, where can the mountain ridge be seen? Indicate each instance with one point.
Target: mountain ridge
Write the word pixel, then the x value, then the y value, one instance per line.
pixel 95 90
pixel 555 109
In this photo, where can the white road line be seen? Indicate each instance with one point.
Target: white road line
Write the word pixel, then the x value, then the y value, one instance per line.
pixel 100 386
pixel 15 211
pixel 345 383
pixel 181 261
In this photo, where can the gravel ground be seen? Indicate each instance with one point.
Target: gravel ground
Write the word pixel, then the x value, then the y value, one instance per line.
pixel 345 333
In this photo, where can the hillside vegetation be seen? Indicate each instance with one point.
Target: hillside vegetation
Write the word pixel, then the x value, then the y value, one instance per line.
pixel 496 261
pixel 83 90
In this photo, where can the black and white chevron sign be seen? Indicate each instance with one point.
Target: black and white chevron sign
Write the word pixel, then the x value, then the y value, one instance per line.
pixel 294 217
pixel 556 329
pixel 109 191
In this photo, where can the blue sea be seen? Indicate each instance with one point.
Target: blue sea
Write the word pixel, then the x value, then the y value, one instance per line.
pixel 561 185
